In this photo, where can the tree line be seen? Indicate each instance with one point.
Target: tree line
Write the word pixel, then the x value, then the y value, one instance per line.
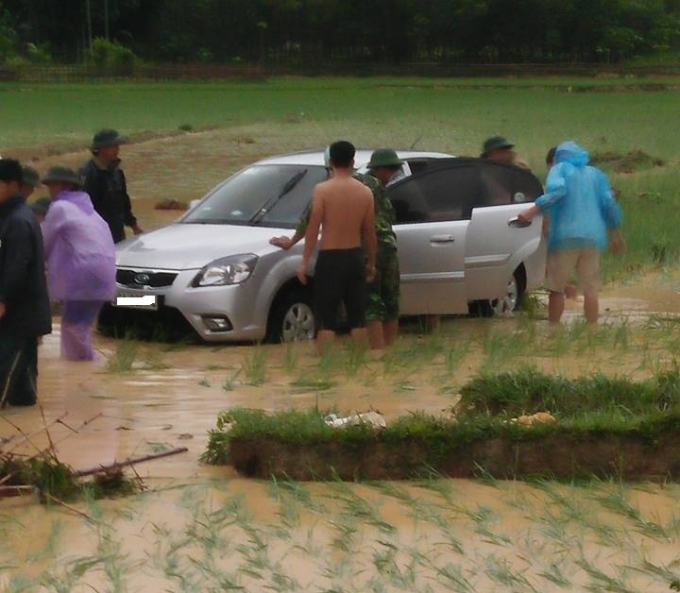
pixel 302 32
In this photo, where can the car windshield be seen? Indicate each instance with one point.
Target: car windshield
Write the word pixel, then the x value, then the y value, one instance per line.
pixel 268 195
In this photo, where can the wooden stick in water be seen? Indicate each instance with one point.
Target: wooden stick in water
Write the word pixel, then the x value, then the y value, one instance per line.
pixel 127 462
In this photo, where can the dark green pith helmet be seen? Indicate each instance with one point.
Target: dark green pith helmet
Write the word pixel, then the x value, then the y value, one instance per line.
pixel 384 157
pixel 29 176
pixel 107 137
pixel 494 143
pixel 62 174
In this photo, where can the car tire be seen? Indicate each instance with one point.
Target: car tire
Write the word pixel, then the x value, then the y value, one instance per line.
pixel 510 302
pixel 292 318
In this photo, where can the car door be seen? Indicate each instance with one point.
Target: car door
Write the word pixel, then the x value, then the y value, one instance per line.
pixel 496 246
pixel 433 211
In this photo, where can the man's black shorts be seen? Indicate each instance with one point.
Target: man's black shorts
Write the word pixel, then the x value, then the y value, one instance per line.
pixel 340 277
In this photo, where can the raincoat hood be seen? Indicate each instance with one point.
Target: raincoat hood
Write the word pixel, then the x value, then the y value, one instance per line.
pixel 77 198
pixel 570 152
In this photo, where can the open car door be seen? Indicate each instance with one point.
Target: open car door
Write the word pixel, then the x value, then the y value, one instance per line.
pixel 433 213
pixel 457 242
pixel 496 244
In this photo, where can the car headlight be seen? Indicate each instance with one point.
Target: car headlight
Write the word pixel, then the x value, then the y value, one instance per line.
pixel 234 269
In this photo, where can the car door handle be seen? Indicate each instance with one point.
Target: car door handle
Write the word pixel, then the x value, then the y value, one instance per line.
pixel 519 224
pixel 443 239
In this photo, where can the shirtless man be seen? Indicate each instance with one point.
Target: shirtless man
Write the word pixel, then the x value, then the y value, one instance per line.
pixel 343 208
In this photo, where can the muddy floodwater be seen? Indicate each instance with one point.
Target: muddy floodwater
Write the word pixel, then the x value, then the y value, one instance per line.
pixel 202 528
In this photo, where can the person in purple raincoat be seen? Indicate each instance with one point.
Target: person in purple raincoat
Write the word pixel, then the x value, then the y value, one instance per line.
pixel 80 257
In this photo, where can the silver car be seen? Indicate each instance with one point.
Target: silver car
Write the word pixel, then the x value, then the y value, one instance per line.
pixel 458 238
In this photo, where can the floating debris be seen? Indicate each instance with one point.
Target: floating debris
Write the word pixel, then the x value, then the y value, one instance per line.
pixel 373 418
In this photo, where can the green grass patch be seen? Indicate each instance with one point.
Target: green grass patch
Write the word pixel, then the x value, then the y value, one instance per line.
pixel 528 392
pixel 591 411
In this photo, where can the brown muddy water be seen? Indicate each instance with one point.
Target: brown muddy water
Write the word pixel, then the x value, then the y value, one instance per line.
pixel 200 528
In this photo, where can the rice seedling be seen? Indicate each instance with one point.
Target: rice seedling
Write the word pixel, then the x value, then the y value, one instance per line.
pixel 500 571
pixel 453 357
pixel 386 564
pixel 123 359
pixel 299 493
pixel 553 574
pixel 355 358
pixel 254 367
pixel 290 358
pixel 452 576
pixel 358 507
pixel 664 575
pixel 327 364
pixel 601 580
pixel 483 519
pixel 305 384
pixel 499 348
pixel 616 501
pixel 229 384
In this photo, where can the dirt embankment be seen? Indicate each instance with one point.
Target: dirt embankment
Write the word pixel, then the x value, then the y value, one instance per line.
pixel 564 457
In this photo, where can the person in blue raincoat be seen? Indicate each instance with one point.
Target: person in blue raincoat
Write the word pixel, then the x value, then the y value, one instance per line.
pixel 583 211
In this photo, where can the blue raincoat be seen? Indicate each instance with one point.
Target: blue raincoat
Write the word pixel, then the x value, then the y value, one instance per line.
pixel 579 201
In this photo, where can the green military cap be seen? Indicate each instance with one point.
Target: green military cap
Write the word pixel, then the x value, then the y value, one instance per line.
pixel 29 176
pixel 107 137
pixel 62 174
pixel 41 205
pixel 495 143
pixel 384 157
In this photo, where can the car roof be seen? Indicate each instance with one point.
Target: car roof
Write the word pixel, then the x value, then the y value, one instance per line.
pixel 361 159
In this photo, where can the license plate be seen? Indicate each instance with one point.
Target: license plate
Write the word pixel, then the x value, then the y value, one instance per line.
pixel 146 302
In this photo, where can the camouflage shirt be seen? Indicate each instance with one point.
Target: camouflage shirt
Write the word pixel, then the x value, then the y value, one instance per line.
pixel 384 212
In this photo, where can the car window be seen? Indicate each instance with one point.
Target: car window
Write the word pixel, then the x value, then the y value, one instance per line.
pixel 437 195
pixel 419 164
pixel 502 184
pixel 261 194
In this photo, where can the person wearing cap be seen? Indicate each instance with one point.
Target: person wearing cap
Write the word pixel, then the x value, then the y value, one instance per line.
pixel 81 266
pixel 381 317
pixel 500 150
pixel 106 185
pixel 24 304
pixel 382 313
pixel 29 182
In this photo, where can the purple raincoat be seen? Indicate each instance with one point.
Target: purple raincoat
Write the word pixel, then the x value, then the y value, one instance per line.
pixel 81 263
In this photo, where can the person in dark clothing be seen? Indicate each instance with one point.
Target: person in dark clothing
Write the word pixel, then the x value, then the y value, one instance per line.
pixel 24 303
pixel 30 181
pixel 104 181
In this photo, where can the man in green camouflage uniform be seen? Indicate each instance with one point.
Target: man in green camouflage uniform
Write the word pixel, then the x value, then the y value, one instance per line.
pixel 382 311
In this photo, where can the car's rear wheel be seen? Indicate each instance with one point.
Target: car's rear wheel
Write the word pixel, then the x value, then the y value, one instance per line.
pixel 509 302
pixel 292 318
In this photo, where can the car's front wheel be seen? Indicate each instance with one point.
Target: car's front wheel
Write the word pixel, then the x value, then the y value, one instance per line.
pixel 292 318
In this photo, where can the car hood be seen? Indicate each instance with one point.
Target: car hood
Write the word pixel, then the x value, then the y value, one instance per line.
pixel 183 246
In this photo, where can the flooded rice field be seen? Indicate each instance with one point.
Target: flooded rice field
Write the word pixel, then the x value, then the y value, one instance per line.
pixel 202 528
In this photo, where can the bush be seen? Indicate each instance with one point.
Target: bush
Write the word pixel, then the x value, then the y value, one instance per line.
pixel 38 54
pixel 111 54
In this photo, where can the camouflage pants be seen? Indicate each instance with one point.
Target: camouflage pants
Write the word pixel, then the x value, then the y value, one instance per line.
pixel 383 292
